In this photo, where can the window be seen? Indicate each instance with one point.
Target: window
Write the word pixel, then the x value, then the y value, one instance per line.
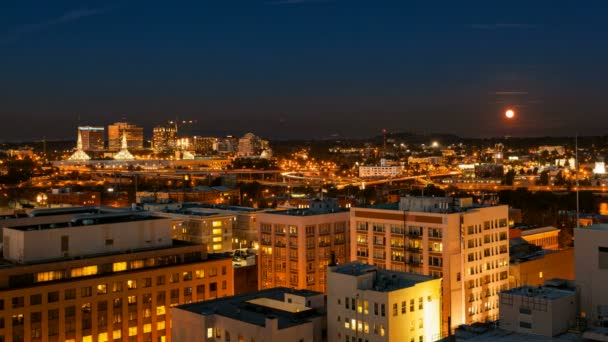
pixel 382 310
pixel 403 307
pixel 526 325
pixel 65 243
pixel 395 309
pixel 375 309
pixel 86 291
pixel 18 302
pixel 69 294
pixel 36 299
pixel 83 271
pixel 119 266
pixel 131 284
pixel 187 276
pixel 199 274
pixel 147 282
pixel 117 286
pixel 420 303
pixel 102 289
pixel 160 280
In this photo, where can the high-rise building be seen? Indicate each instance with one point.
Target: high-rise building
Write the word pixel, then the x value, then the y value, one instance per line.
pixel 135 136
pixel 100 276
pixel 164 138
pixel 277 314
pixel 204 145
pixel 443 237
pixel 296 245
pixel 93 138
pixel 367 303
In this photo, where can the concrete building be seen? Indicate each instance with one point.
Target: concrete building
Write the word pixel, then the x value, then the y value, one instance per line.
pixel 102 276
pixel 278 314
pixel 591 272
pixel 134 133
pixel 547 310
pixel 204 145
pixel 532 266
pixel 366 303
pixel 202 194
pixel 296 245
pixel 65 196
pixel 93 138
pixel 447 238
pixel 198 225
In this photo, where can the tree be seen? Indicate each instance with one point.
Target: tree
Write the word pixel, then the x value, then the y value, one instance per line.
pixel 509 177
pixel 544 178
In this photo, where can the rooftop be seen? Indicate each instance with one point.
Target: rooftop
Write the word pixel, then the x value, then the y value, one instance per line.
pixel 552 290
pixel 306 212
pixel 384 280
pixel 90 219
pixel 255 307
pixel 598 226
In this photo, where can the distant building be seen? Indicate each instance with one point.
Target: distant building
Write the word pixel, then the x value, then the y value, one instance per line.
pixel 442 237
pixel 65 196
pixel 204 145
pixel 164 138
pixel 203 194
pixel 560 150
pixel 543 237
pixel 547 310
pixel 368 303
pixel 277 314
pixel 489 171
pixel 379 171
pixel 93 138
pixel 227 145
pixel 252 145
pixel 135 136
pixel 297 245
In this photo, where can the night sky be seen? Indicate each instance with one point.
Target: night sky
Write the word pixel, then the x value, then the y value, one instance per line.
pixel 305 68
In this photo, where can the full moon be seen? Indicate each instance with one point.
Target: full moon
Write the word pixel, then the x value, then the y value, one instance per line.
pixel 509 114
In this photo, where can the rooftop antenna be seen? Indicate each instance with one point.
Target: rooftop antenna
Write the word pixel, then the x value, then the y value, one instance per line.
pixel 578 225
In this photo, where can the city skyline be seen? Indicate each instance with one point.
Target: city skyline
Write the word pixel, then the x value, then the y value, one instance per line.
pixel 304 68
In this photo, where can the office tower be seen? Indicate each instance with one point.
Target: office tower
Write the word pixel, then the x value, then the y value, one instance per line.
pixel 135 136
pixel 164 138
pixel 85 274
pixel 93 138
pixel 204 145
pixel 277 314
pixel 449 238
pixel 367 303
pixel 296 245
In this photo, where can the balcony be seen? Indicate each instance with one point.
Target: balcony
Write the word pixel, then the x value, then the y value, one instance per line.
pixel 413 249
pixel 414 235
pixel 414 262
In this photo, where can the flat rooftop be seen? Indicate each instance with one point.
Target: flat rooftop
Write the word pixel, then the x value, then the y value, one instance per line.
pixel 306 212
pixel 384 280
pixel 89 220
pixel 598 226
pixel 500 335
pixel 540 292
pixel 255 307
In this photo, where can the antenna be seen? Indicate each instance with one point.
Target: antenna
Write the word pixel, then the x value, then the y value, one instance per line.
pixel 576 166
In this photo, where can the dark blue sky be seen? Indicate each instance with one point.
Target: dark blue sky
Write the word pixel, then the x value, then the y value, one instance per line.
pixel 305 68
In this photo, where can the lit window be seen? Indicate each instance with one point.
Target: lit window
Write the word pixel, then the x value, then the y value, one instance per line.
pixel 160 325
pixel 83 271
pixel 216 224
pixel 102 336
pixel 217 232
pixel 117 334
pixel 217 247
pixel 209 332
pixel 540 274
pixel 119 266
pixel 147 328
pixel 132 331
pixel 160 310
pixel 217 239
pixel 353 324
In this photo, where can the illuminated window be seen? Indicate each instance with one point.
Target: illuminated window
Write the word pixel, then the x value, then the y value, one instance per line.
pixel 102 337
pixel 217 231
pixel 131 284
pixel 137 264
pixel 540 274
pixel 217 239
pixel 117 334
pixel 209 332
pixel 147 328
pixel 102 289
pixel 48 276
pixel 160 325
pixel 83 271
pixel 87 338
pixel 381 330
pixel 199 274
pixel 217 247
pixel 160 310
pixel 353 324
pixel 119 266
pixel 132 331
pixel 216 224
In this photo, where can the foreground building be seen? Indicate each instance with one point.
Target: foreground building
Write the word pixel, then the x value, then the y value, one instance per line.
pixel 101 276
pixel 296 245
pixel 367 303
pixel 449 238
pixel 278 314
pixel 547 310
pixel 591 272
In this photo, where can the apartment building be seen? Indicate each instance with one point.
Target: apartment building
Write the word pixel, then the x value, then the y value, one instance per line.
pixel 277 314
pixel 296 245
pixel 591 272
pixel 101 276
pixel 450 238
pixel 367 303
